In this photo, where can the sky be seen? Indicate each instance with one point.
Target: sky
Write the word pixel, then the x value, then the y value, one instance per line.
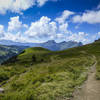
pixel 42 20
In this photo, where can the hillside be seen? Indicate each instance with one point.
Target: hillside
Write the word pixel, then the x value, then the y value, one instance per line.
pixel 7 52
pixel 51 44
pixel 40 74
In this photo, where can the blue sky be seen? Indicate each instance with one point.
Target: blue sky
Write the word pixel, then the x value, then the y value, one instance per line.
pixel 43 20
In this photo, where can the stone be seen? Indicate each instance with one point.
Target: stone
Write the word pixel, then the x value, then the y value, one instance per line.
pixel 1 90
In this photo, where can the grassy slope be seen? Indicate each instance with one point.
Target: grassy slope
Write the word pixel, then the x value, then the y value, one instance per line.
pixel 39 74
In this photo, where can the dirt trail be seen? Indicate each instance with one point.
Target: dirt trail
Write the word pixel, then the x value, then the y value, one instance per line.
pixel 90 90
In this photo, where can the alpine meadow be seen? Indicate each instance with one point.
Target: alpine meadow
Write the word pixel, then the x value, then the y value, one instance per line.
pixel 49 49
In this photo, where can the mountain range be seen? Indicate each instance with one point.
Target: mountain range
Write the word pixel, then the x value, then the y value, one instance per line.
pixel 51 44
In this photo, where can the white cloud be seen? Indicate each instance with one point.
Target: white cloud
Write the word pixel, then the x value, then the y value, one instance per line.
pixel 18 37
pixel 25 25
pixel 15 5
pixel 41 2
pixel 63 28
pixel 1 30
pixel 64 16
pixel 47 29
pixel 42 28
pixel 78 37
pixel 14 24
pixel 99 33
pixel 91 17
pixel 60 35
pixel 18 6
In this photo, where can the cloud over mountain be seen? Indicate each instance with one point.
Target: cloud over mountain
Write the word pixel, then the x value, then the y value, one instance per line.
pixel 41 30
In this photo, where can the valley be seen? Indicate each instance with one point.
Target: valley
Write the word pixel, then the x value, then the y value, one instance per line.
pixel 7 52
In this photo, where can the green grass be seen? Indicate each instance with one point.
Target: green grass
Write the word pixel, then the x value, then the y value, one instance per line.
pixel 98 68
pixel 40 74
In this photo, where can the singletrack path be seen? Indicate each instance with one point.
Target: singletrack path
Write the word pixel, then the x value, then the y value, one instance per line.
pixel 90 90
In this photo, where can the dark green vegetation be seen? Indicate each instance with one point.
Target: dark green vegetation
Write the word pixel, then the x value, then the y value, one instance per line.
pixel 7 52
pixel 40 74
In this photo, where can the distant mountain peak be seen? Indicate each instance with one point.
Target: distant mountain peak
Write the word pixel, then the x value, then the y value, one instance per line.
pixel 63 42
pixel 51 41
